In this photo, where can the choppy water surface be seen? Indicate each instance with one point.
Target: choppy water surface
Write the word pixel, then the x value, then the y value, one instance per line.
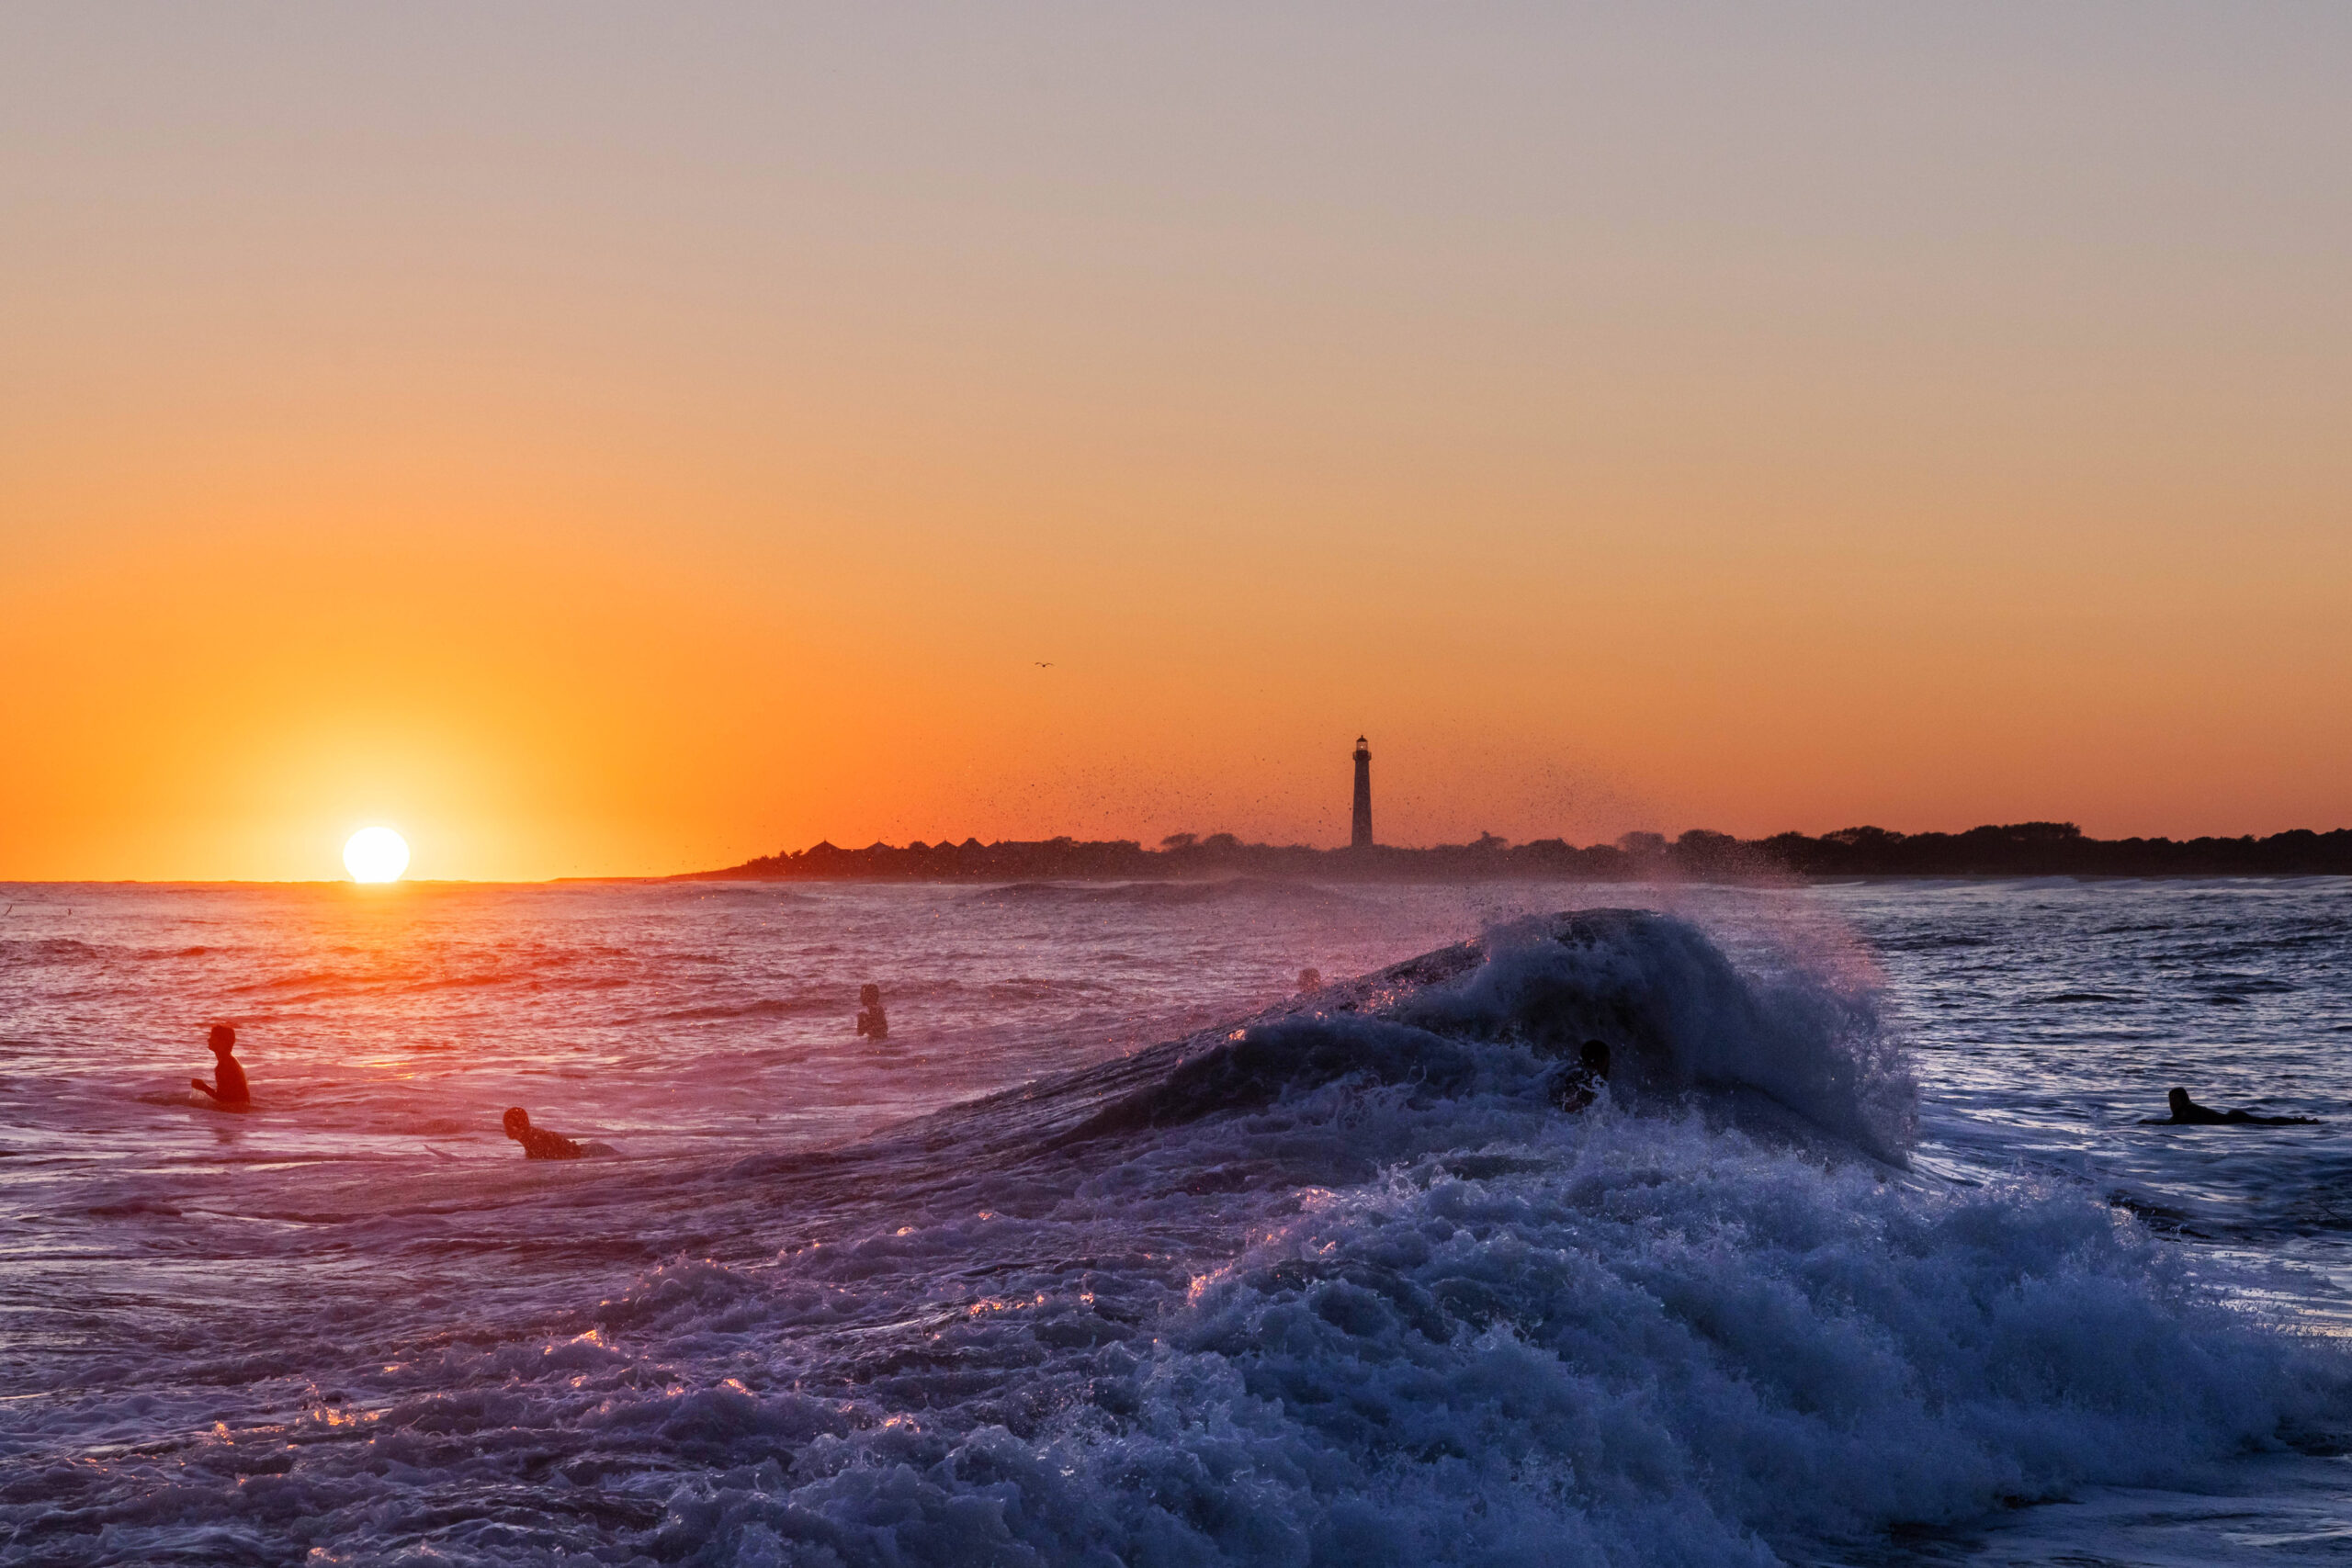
pixel 1863 1260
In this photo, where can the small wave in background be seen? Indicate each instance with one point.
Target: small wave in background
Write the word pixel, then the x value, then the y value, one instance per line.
pixel 1860 1256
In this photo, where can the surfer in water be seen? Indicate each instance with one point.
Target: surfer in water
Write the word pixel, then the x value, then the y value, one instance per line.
pixel 872 1021
pixel 1581 1084
pixel 537 1142
pixel 231 1090
pixel 2187 1113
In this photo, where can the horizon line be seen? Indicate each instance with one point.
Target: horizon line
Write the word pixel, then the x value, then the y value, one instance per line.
pixel 1706 837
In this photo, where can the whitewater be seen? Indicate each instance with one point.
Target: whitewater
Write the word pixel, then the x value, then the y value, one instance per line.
pixel 1123 1250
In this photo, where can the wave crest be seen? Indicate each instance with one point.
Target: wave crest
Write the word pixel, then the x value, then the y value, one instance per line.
pixel 1786 1052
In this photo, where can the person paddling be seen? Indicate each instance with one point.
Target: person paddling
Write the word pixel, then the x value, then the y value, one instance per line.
pixel 231 1090
pixel 872 1021
pixel 1579 1085
pixel 2187 1113
pixel 537 1142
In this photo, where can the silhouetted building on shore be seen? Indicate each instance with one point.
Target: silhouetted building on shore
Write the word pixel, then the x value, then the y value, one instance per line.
pixel 1361 839
pixel 2017 849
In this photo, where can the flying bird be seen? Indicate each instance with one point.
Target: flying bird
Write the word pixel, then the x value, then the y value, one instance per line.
pixel 1044 664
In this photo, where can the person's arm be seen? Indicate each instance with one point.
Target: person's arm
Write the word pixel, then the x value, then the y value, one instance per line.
pixel 545 1144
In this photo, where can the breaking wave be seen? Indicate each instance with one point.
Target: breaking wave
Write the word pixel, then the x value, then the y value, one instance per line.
pixel 1340 1284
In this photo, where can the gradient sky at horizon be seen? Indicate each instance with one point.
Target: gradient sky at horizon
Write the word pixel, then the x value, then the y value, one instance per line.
pixel 604 439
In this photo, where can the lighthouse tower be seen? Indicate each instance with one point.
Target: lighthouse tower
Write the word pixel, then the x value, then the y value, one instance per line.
pixel 1362 838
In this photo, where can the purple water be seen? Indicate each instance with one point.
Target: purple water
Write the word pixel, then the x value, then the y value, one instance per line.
pixel 1347 1288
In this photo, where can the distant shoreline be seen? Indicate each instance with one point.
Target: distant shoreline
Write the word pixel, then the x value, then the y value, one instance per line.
pixel 2022 849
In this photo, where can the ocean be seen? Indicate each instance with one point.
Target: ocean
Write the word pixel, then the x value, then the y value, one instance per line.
pixel 1121 1249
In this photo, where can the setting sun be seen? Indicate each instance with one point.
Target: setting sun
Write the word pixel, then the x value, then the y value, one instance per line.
pixel 376 854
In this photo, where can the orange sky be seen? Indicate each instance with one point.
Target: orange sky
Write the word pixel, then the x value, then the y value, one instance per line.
pixel 603 441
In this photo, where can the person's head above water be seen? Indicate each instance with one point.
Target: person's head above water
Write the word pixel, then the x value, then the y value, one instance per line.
pixel 516 1121
pixel 222 1040
pixel 871 996
pixel 1593 1057
pixel 2178 1100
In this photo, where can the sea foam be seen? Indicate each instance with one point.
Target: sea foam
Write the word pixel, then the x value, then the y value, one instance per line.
pixel 1339 1284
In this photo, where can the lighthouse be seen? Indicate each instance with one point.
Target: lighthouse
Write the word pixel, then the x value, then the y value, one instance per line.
pixel 1362 838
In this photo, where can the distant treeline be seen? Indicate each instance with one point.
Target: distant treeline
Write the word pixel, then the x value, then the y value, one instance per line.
pixel 2019 849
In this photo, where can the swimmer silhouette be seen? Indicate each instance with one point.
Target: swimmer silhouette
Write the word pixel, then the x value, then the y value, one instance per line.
pixel 537 1142
pixel 871 1021
pixel 1310 980
pixel 231 1088
pixel 1577 1087
pixel 2187 1113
